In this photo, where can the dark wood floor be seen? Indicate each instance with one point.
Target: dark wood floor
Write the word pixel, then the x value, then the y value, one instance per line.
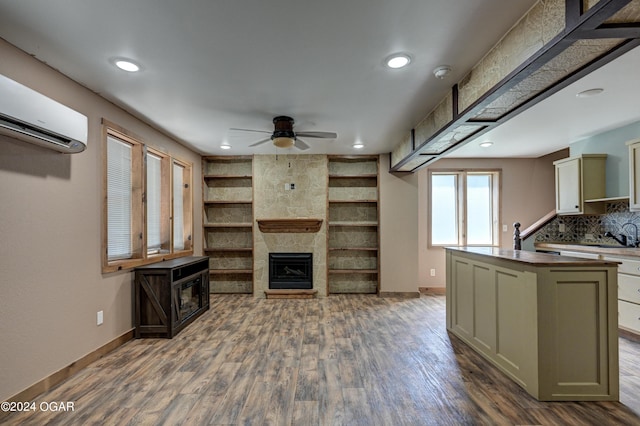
pixel 343 360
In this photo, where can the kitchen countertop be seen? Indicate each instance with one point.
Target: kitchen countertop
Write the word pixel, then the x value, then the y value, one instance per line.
pixel 590 248
pixel 532 258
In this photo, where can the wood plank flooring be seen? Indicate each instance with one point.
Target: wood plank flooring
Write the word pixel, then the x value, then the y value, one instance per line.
pixel 341 360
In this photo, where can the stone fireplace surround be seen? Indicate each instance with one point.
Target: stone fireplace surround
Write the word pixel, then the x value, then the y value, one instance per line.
pixel 272 201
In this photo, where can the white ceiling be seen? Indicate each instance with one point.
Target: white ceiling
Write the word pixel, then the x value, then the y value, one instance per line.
pixel 209 66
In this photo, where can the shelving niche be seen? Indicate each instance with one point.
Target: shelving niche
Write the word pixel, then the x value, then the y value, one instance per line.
pixel 228 222
pixel 353 237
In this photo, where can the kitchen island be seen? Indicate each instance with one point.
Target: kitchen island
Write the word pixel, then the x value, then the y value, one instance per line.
pixel 548 322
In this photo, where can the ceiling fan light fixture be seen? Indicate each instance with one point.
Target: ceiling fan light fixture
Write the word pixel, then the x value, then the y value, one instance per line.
pixel 358 145
pixel 283 135
pixel 283 141
pixel 486 144
pixel 225 146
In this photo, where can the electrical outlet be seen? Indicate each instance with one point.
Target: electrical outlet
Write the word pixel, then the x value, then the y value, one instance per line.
pixel 588 236
pixel 287 186
pixel 100 317
pixel 433 272
pixel 504 227
pixel 561 227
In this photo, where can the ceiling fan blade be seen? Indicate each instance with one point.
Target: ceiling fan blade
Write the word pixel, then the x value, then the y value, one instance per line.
pixel 248 130
pixel 326 135
pixel 301 145
pixel 260 142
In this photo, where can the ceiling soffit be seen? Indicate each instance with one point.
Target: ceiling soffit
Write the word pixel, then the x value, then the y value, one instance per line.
pixel 587 40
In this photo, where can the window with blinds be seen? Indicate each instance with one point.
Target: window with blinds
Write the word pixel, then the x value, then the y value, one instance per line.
pixel 154 203
pixel 178 207
pixel 148 203
pixel 119 193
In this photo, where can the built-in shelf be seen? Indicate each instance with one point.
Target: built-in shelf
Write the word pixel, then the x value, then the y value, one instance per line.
pixel 608 199
pixel 206 202
pixel 228 177
pixel 289 225
pixel 354 176
pixel 228 249
pixel 228 222
pixel 353 248
pixel 353 225
pixel 346 223
pixel 228 225
pixel 354 201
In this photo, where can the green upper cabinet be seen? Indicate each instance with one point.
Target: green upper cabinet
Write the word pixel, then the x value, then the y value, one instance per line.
pixel 634 174
pixel 578 181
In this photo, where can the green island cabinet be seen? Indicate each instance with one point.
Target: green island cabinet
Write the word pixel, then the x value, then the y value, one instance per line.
pixel 550 323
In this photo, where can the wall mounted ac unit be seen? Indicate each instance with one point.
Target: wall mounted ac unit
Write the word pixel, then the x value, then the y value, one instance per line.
pixel 32 117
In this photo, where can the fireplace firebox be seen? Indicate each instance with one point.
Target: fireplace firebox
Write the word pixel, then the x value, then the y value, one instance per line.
pixel 291 271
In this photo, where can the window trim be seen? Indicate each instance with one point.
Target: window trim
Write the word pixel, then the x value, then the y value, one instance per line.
pixel 138 216
pixel 187 203
pixel 461 212
pixel 165 208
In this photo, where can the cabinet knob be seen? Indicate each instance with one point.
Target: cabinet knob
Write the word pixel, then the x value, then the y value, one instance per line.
pixel 577 207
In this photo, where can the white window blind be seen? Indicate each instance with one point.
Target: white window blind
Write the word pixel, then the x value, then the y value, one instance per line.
pixel 178 207
pixel 479 209
pixel 444 210
pixel 154 203
pixel 118 199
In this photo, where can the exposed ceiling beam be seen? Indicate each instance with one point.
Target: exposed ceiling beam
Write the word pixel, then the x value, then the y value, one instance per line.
pixel 535 79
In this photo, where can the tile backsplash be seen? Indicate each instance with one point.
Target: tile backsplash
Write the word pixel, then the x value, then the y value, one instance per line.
pixel 591 228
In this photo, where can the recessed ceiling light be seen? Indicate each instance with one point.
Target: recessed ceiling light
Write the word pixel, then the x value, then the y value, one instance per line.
pixel 486 144
pixel 127 65
pixel 358 145
pixel 398 60
pixel 590 92
pixel 225 146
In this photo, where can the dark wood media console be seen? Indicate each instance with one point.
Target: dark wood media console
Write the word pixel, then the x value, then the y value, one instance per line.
pixel 170 295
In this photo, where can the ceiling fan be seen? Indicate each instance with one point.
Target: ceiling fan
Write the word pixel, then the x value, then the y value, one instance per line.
pixel 283 135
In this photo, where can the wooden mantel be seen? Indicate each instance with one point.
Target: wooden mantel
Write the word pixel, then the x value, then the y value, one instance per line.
pixel 290 225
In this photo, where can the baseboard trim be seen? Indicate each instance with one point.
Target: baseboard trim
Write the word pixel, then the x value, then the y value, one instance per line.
pixel 49 382
pixel 433 290
pixel 629 335
pixel 405 295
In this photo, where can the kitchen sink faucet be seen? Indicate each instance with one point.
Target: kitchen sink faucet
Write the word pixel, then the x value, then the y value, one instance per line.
pixel 624 239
